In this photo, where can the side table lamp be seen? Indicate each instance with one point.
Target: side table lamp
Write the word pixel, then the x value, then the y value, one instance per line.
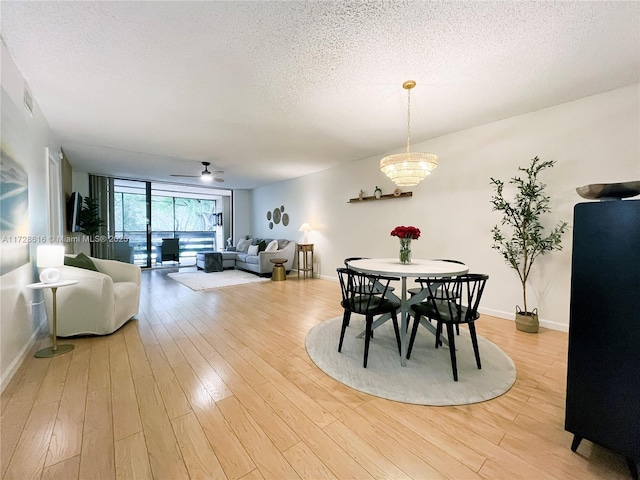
pixel 305 227
pixel 48 258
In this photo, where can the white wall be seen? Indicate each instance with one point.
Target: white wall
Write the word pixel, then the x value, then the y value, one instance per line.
pixel 241 216
pixel 26 139
pixel 593 140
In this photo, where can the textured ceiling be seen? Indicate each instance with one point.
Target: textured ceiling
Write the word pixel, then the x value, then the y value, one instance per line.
pixel 268 91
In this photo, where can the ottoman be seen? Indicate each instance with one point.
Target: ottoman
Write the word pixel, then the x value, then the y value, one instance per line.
pixel 209 261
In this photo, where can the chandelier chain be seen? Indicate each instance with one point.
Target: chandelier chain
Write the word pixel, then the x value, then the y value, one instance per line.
pixel 408 120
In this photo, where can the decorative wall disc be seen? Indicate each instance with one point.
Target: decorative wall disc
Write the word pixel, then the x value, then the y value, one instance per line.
pixel 268 215
pixel 282 208
pixel 271 225
pixel 276 216
pixel 285 219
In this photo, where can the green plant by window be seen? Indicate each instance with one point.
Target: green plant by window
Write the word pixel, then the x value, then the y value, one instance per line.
pixel 523 238
pixel 89 217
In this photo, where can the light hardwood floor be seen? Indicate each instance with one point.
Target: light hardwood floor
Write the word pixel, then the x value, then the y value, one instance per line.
pixel 219 385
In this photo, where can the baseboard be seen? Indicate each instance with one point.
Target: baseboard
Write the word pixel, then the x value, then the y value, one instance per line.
pixel 511 316
pixel 8 374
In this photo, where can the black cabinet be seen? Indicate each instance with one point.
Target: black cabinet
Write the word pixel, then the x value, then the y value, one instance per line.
pixel 603 370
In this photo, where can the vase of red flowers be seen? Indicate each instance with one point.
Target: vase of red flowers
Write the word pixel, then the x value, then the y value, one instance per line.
pixel 405 234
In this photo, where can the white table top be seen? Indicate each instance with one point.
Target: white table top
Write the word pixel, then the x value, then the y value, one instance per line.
pixel 417 267
pixel 62 283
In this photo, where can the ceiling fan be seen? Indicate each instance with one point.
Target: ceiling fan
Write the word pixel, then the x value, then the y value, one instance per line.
pixel 206 175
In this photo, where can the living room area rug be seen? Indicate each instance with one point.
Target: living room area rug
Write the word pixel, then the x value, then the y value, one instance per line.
pixel 427 378
pixel 208 281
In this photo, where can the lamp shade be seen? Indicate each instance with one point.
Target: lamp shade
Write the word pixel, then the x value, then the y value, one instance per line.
pixel 50 256
pixel 305 227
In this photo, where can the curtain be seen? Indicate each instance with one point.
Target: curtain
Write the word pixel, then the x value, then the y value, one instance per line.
pixel 101 189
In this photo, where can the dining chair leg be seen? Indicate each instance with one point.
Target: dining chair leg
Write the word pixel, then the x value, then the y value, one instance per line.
pixel 438 333
pixel 414 330
pixel 394 317
pixel 474 340
pixel 367 337
pixel 345 322
pixel 452 351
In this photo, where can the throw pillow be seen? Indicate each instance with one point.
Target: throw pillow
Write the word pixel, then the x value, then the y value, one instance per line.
pixel 272 247
pixel 243 245
pixel 80 261
pixel 253 250
pixel 262 245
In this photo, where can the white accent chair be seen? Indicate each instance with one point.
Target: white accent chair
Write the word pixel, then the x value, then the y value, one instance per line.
pixel 100 303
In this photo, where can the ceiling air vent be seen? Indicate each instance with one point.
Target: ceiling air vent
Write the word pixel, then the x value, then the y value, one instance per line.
pixel 28 101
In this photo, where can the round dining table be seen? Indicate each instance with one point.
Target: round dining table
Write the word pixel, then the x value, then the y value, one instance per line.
pixel 391 267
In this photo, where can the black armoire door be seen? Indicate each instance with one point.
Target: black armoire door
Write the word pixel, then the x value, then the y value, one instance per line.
pixel 603 370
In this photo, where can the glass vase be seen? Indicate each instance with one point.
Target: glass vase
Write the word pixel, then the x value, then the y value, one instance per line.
pixel 405 250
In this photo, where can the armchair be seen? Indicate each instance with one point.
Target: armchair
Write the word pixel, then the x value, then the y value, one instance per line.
pixel 169 251
pixel 100 303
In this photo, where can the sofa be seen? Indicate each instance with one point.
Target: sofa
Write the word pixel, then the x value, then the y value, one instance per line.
pixel 101 302
pixel 243 256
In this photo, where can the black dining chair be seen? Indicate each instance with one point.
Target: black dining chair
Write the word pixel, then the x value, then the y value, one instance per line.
pixel 451 301
pixel 364 294
pixel 350 259
pixel 416 290
pixel 346 264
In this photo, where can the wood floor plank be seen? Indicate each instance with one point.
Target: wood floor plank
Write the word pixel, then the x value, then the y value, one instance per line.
pixel 207 374
pixel 269 421
pixel 66 470
pixel 18 407
pixel 53 382
pixel 198 455
pixel 99 375
pixel 306 463
pixel 164 455
pixel 175 402
pixel 66 440
pixel 97 455
pixel 135 350
pixel 232 455
pixel 377 465
pixel 126 417
pixel 268 458
pixel 28 458
pixel 132 458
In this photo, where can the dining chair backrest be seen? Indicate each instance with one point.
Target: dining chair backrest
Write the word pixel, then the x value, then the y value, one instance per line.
pixel 351 259
pixel 455 299
pixel 361 292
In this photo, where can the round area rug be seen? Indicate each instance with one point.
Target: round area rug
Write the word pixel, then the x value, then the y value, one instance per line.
pixel 427 379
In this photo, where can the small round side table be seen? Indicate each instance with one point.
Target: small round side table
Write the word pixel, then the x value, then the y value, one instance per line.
pixel 279 272
pixel 54 349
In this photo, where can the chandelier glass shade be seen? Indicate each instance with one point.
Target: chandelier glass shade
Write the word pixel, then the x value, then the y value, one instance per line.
pixel 409 168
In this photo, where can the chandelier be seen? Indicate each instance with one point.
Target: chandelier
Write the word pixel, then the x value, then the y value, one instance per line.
pixel 409 168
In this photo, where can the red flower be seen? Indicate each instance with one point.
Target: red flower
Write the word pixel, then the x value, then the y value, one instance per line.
pixel 406 232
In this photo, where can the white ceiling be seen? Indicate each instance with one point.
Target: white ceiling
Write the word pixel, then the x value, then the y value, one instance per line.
pixel 268 91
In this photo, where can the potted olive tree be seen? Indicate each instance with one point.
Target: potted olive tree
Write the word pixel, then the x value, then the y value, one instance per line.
pixel 523 240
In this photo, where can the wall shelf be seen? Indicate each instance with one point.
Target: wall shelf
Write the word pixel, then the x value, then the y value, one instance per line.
pixel 382 197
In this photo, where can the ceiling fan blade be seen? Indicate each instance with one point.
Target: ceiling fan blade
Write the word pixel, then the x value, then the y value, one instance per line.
pixel 188 176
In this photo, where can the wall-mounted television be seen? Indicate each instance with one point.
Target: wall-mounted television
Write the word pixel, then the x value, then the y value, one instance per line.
pixel 74 205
